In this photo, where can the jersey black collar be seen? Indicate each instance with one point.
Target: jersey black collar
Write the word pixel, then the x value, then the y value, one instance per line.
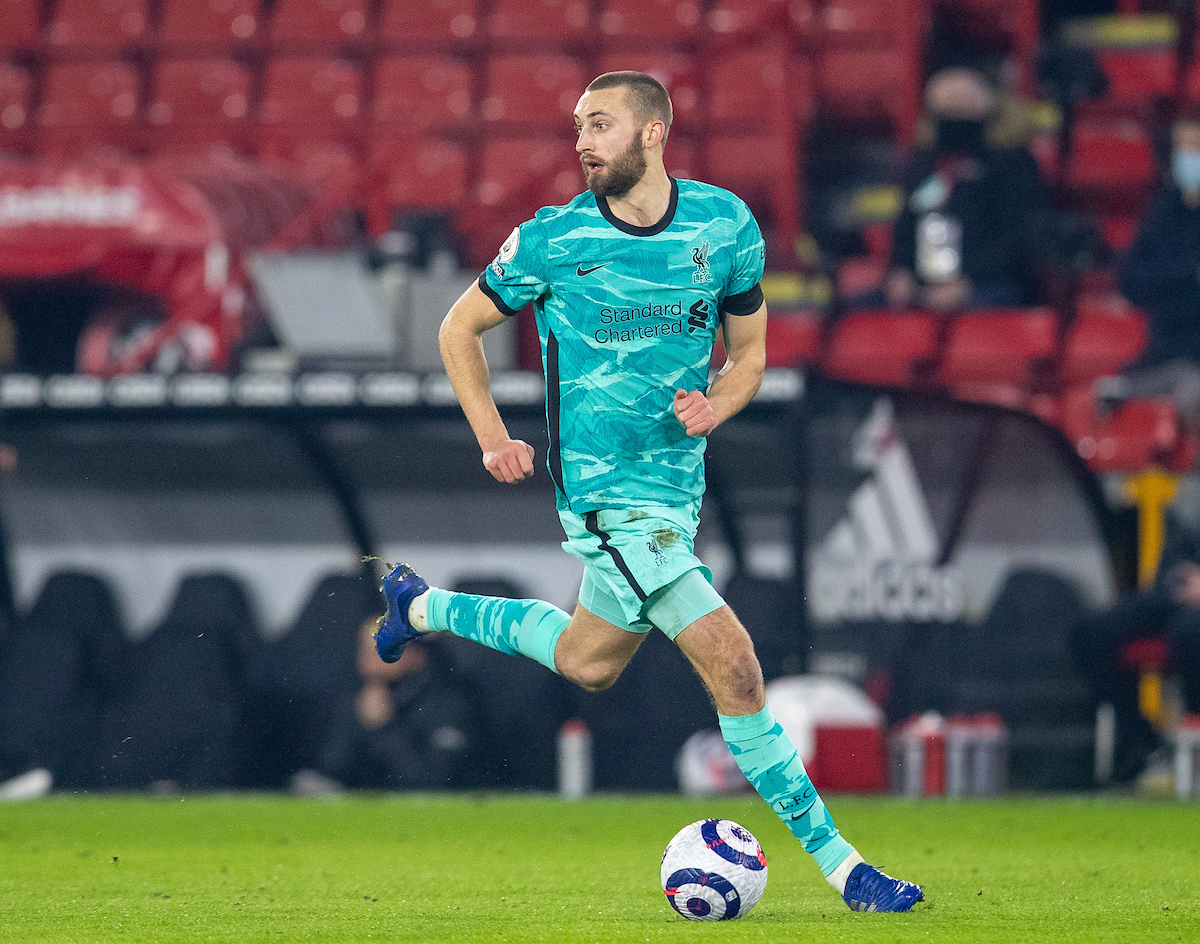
pixel 653 229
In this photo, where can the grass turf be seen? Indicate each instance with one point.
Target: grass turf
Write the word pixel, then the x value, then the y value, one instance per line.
pixel 502 868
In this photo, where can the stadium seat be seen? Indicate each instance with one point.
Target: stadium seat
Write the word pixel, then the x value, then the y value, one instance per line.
pixel 1111 165
pixel 882 347
pixel 650 22
pixel 547 21
pixel 519 175
pixel 998 346
pixel 305 25
pixel 870 86
pixel 200 100
pixel 19 24
pixel 751 86
pixel 87 24
pixel 88 94
pixel 762 171
pixel 1107 334
pixel 533 89
pixel 307 90
pixel 14 103
pixel 421 91
pixel 413 173
pixel 793 340
pixel 1139 75
pixel 1136 435
pixel 843 20
pixel 208 24
pixel 404 23
pixel 678 72
pixel 743 17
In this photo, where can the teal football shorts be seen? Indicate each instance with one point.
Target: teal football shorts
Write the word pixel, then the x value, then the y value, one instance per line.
pixel 638 560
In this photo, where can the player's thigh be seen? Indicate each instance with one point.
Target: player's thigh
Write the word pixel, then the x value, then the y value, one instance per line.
pixel 722 652
pixel 592 651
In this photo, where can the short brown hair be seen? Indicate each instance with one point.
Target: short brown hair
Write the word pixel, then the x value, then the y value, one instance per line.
pixel 647 96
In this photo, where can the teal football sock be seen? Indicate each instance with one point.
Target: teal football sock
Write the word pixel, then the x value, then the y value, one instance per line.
pixel 768 758
pixel 515 627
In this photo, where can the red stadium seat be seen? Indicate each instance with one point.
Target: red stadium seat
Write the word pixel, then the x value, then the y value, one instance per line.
pixel 519 175
pixel 417 92
pixel 793 340
pixel 208 24
pixel 405 22
pixel 1111 165
pixel 750 16
pixel 307 90
pixel 751 86
pixel 198 102
pixel 533 89
pixel 19 24
pixel 867 86
pixel 1001 346
pixel 305 24
pixel 1119 231
pixel 1136 435
pixel 676 71
pixel 856 19
pixel 546 20
pixel 87 94
pixel 414 173
pixel 1107 334
pixel 87 24
pixel 1137 76
pixel 650 22
pixel 14 102
pixel 762 171
pixel 88 106
pixel 882 347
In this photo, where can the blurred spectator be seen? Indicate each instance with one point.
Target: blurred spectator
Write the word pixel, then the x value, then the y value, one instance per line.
pixel 1161 274
pixel 962 239
pixel 1170 608
pixel 413 727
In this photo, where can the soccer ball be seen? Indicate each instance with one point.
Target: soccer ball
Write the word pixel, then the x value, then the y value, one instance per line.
pixel 713 870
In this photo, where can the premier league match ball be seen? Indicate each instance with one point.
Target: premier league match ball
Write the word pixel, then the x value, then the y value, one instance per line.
pixel 713 870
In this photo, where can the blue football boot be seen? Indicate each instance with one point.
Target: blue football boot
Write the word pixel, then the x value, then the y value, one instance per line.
pixel 868 889
pixel 394 632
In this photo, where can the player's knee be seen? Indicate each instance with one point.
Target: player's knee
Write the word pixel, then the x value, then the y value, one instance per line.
pixel 591 675
pixel 744 676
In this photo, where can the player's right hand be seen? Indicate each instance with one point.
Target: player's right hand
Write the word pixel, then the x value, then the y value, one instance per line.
pixel 511 461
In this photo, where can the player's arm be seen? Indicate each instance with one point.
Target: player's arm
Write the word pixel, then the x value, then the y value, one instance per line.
pixel 736 383
pixel 461 341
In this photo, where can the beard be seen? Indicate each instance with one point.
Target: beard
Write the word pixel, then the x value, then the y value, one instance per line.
pixel 621 173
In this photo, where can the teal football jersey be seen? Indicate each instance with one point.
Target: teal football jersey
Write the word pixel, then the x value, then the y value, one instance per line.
pixel 627 315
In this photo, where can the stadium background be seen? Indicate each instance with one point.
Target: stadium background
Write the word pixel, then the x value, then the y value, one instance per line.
pixel 190 440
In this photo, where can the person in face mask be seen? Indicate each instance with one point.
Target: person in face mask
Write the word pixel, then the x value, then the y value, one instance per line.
pixel 960 239
pixel 1161 274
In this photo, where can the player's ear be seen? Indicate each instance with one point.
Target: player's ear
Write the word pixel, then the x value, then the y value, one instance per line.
pixel 653 134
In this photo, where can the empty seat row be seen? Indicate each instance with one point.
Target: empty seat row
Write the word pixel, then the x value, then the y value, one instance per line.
pixel 744 86
pixel 118 24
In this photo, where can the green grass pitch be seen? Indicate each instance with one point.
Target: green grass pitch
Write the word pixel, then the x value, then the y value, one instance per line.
pixel 513 868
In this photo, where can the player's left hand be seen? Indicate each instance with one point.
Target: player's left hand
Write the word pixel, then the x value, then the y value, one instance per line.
pixel 694 412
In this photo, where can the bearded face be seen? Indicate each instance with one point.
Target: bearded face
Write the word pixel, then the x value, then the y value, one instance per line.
pixel 616 177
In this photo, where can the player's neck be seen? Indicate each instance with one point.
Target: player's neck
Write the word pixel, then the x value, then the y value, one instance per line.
pixel 647 201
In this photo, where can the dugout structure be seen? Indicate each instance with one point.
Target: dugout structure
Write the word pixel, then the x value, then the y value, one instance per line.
pixel 932 551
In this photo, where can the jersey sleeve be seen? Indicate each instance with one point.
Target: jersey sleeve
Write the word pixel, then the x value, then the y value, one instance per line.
pixel 743 295
pixel 517 275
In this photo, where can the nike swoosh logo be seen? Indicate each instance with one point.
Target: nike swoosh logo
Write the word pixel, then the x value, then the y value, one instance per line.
pixel 580 270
